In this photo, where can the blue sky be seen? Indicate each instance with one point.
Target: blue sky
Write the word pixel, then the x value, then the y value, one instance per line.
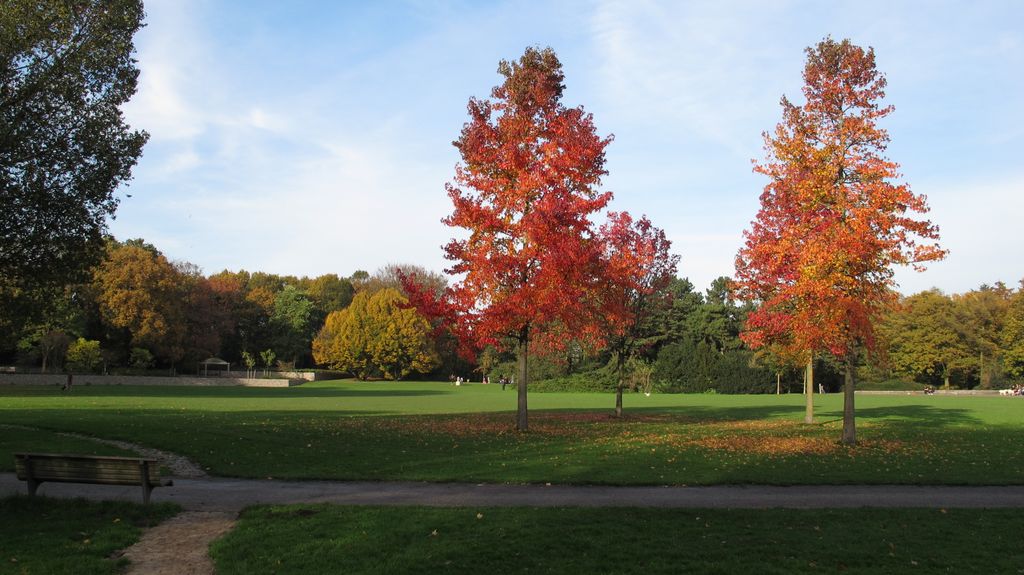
pixel 315 137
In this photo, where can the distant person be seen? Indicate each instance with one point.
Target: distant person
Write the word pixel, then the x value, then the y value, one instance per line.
pixel 68 383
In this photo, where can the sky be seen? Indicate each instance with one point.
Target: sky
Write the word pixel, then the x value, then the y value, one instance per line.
pixel 305 138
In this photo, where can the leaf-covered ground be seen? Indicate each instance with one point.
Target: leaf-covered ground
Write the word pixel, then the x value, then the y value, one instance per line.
pixel 436 432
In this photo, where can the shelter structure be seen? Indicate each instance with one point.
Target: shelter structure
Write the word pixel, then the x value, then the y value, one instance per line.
pixel 215 364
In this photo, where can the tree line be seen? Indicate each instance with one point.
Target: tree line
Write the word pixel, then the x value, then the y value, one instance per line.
pixel 141 311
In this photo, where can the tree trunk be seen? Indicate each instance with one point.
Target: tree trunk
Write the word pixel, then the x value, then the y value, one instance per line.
pixel 618 388
pixel 809 391
pixel 849 418
pixel 521 355
pixel 778 384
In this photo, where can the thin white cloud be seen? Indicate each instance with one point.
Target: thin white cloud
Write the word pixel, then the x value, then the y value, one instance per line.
pixel 172 63
pixel 691 66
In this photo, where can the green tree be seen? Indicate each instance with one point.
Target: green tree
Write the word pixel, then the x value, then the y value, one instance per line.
pixel 84 355
pixel 292 323
pixel 1013 335
pixel 925 340
pixel 65 70
pixel 268 356
pixel 141 358
pixel 982 314
pixel 717 322
pixel 330 293
pixel 47 345
pixel 250 364
pixel 674 321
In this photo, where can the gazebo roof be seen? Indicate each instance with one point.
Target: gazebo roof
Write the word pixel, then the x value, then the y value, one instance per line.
pixel 214 361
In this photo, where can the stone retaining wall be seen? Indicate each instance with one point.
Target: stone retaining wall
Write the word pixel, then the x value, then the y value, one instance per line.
pixel 84 379
pixel 978 392
pixel 313 375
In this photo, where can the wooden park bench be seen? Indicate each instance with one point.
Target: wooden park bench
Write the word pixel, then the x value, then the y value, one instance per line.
pixel 35 468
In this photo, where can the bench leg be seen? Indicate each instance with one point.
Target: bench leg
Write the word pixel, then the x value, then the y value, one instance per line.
pixel 146 487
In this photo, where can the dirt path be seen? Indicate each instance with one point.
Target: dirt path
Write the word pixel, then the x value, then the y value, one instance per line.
pixel 179 545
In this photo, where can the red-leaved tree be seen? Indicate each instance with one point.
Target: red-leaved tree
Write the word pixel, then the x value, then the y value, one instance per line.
pixel 819 257
pixel 524 191
pixel 637 268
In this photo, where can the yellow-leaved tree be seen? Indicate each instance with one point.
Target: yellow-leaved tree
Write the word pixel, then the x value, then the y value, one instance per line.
pixel 376 335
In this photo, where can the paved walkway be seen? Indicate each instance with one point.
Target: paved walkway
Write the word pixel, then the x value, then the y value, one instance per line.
pixel 231 495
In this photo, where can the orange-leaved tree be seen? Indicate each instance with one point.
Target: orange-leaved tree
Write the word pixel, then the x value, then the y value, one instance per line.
pixel 139 291
pixel 524 191
pixel 833 222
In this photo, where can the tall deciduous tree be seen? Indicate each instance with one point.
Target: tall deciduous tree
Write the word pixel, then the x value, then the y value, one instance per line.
pixel 833 221
pixel 65 70
pixel 925 340
pixel 1013 335
pixel 525 191
pixel 292 323
pixel 138 290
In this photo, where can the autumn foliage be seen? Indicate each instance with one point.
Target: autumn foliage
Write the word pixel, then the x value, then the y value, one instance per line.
pixel 637 268
pixel 377 335
pixel 524 192
pixel 833 221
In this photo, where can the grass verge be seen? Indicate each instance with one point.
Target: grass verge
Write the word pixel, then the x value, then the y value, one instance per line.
pixel 39 535
pixel 334 539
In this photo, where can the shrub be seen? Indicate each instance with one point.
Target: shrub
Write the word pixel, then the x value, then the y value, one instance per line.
pixel 690 367
pixel 598 380
pixel 84 355
pixel 141 358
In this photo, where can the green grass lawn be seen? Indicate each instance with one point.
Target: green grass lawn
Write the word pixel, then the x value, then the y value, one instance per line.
pixel 437 432
pixel 334 539
pixel 74 537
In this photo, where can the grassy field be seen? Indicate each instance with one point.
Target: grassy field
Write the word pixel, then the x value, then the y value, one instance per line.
pixel 326 539
pixel 51 536
pixel 437 432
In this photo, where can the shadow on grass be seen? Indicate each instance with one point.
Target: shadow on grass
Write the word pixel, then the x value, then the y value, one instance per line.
pixel 930 415
pixel 378 444
pixel 232 392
